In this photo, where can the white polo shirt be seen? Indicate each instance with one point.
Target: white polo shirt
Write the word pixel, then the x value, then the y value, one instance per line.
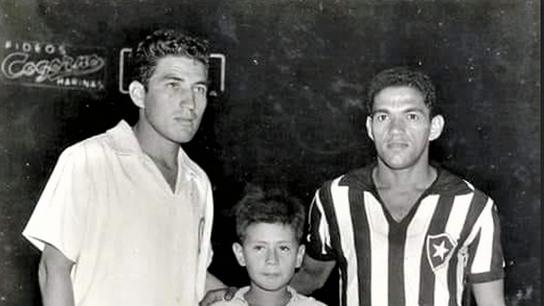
pixel 134 241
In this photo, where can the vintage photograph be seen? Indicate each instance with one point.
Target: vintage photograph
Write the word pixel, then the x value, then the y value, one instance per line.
pixel 278 152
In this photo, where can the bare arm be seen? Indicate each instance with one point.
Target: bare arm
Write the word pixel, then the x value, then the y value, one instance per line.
pixel 216 291
pixel 54 278
pixel 312 275
pixel 213 283
pixel 489 293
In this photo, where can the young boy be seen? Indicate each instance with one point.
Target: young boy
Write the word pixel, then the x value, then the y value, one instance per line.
pixel 269 226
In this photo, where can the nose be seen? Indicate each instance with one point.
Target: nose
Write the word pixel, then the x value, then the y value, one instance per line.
pixel 188 100
pixel 271 256
pixel 397 124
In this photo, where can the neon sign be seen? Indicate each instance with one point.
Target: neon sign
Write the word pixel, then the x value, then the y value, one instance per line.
pixel 38 64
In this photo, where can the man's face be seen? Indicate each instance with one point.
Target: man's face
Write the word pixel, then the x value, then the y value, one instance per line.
pixel 270 253
pixel 175 99
pixel 401 127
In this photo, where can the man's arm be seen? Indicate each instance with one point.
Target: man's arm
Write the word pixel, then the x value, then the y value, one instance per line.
pixel 312 275
pixel 216 291
pixel 213 283
pixel 54 278
pixel 489 293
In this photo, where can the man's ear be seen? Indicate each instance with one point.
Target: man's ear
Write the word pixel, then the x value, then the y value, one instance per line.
pixel 369 127
pixel 437 125
pixel 300 255
pixel 239 254
pixel 136 90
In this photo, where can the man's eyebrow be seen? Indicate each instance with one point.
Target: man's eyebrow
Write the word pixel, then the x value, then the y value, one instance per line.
pixel 379 110
pixel 206 83
pixel 174 77
pixel 410 109
pixel 415 109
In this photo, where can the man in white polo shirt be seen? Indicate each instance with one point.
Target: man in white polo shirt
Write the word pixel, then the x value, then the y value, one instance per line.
pixel 126 216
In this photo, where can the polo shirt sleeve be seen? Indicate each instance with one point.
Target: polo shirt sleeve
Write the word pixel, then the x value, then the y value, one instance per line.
pixel 59 216
pixel 485 256
pixel 318 241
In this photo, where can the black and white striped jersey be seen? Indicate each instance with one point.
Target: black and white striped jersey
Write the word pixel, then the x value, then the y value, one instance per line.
pixel 451 235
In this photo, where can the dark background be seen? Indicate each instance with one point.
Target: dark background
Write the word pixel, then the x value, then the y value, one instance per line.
pixel 290 116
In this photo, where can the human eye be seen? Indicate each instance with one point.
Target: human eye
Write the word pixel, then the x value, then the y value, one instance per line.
pixel 413 116
pixel 200 89
pixel 380 117
pixel 258 247
pixel 285 248
pixel 172 85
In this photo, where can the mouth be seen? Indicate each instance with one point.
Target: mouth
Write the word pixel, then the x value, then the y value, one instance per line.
pixel 184 121
pixel 271 274
pixel 397 145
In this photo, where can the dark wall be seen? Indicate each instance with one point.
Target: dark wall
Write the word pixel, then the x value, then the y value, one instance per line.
pixel 291 114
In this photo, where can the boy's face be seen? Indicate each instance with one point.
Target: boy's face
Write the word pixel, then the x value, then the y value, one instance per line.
pixel 270 252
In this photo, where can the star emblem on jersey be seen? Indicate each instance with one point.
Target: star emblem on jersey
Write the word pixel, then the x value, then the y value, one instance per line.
pixel 439 249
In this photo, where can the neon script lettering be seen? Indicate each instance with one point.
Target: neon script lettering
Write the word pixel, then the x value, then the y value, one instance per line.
pixel 17 65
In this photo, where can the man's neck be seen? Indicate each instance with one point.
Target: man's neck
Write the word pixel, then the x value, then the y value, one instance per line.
pixel 417 177
pixel 400 189
pixel 159 149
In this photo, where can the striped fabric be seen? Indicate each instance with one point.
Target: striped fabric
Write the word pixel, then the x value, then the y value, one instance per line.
pixel 450 236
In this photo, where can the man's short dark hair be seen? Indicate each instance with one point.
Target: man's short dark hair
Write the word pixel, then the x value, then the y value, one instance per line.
pixel 273 206
pixel 403 76
pixel 162 43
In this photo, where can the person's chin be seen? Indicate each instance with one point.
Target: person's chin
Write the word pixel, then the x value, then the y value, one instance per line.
pixel 183 137
pixel 272 284
pixel 274 287
pixel 396 162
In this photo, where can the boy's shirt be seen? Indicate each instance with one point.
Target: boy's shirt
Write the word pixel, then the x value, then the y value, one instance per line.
pixel 296 299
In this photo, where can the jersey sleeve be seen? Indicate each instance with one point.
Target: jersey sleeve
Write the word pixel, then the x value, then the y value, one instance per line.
pixel 486 262
pixel 318 241
pixel 59 216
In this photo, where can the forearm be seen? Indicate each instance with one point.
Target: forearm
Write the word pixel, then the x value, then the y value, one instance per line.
pixel 312 275
pixel 54 277
pixel 56 288
pixel 489 293
pixel 305 283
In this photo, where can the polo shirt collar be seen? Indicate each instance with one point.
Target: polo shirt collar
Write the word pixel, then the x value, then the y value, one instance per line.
pixel 239 295
pixel 124 142
pixel 123 139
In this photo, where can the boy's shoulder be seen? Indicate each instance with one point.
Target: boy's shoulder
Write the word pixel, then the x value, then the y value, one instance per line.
pixel 237 299
pixel 298 299
pixel 229 303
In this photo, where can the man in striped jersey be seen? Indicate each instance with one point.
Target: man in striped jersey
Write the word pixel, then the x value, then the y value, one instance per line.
pixel 403 231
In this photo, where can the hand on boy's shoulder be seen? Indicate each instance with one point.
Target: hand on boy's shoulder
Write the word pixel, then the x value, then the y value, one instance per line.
pixel 219 297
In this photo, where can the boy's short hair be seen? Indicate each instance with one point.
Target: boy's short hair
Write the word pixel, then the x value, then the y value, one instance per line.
pixel 162 43
pixel 403 76
pixel 272 206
